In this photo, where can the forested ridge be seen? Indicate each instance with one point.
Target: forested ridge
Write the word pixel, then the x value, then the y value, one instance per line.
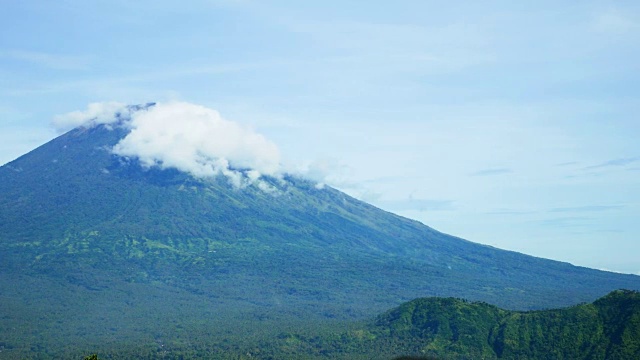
pixel 450 328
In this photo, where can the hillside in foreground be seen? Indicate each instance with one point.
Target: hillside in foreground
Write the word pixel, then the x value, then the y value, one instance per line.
pixel 449 328
pixel 445 328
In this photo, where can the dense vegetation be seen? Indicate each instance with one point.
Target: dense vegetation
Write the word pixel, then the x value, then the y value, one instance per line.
pixel 449 328
pixel 426 328
pixel 609 328
pixel 96 251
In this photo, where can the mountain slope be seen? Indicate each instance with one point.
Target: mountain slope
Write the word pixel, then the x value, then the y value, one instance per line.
pixel 82 226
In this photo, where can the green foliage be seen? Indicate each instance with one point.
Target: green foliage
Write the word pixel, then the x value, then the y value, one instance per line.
pixel 428 328
pixel 606 329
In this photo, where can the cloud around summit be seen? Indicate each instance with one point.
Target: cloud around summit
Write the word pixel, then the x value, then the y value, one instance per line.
pixel 95 114
pixel 196 139
pixel 187 137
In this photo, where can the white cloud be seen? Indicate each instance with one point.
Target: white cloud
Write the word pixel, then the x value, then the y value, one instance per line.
pixel 320 170
pixel 609 270
pixel 48 60
pixel 96 113
pixel 330 171
pixel 192 139
pixel 197 140
pixel 613 21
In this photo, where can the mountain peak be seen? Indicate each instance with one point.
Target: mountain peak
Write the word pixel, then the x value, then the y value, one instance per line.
pixel 111 211
pixel 187 137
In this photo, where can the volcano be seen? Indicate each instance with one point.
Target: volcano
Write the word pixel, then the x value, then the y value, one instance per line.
pixel 105 248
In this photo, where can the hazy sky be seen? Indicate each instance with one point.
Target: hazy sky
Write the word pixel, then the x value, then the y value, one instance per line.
pixel 513 124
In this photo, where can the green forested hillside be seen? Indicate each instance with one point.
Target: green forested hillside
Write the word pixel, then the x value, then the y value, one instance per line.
pixel 451 328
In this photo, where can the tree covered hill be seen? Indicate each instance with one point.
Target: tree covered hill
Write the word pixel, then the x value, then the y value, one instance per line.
pixel 450 328
pixel 609 328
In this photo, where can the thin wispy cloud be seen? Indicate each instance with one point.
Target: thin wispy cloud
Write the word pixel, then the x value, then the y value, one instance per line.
pixel 420 205
pixel 96 113
pixel 609 231
pixel 48 60
pixel 614 163
pixel 613 21
pixel 568 163
pixel 390 47
pixel 509 212
pixel 565 222
pixel 139 79
pixel 588 208
pixel 492 172
pixel 383 180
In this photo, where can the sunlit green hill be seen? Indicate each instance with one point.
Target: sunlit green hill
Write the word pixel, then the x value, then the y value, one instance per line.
pixel 450 328
pixel 95 248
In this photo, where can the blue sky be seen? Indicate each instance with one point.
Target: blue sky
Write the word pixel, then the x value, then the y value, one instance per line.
pixel 513 124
